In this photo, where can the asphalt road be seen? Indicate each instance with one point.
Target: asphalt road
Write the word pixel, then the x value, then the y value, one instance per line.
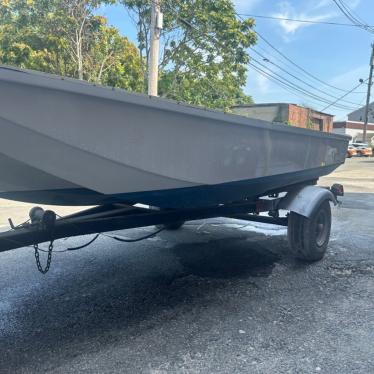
pixel 214 297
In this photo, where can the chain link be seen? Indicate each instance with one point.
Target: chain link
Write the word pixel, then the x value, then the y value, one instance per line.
pixel 49 259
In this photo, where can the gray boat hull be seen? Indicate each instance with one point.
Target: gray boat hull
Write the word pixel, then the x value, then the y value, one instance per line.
pixel 66 142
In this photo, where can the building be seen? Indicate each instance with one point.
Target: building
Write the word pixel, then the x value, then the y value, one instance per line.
pixel 285 113
pixel 359 114
pixel 354 129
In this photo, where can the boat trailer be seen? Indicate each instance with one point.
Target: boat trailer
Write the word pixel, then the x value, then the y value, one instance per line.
pixel 308 220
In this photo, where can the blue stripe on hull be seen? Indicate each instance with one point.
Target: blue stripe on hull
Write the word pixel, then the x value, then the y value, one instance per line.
pixel 200 196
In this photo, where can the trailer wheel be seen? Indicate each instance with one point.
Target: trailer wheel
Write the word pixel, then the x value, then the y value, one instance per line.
pixel 308 237
pixel 171 226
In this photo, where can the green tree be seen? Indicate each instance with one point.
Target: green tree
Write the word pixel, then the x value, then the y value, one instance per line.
pixel 204 58
pixel 66 37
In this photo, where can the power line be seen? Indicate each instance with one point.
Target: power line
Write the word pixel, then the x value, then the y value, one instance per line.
pixel 342 97
pixel 357 17
pixel 348 14
pixel 351 13
pixel 301 89
pixel 298 66
pixel 355 14
pixel 356 21
pixel 298 88
pixel 263 73
pixel 299 20
pixel 301 80
pixel 280 84
pixel 292 62
pixel 289 66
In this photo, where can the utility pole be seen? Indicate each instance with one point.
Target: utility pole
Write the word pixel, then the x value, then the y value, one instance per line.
pixel 368 94
pixel 155 29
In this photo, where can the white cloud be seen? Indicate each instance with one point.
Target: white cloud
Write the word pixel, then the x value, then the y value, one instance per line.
pixel 287 10
pixel 291 27
pixel 311 10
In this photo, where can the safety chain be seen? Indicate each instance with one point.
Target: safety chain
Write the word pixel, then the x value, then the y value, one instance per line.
pixel 49 259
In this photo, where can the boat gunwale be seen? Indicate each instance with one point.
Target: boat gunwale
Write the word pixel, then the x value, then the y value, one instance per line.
pixel 75 86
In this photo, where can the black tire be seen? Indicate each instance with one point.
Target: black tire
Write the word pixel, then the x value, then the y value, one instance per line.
pixel 171 226
pixel 309 237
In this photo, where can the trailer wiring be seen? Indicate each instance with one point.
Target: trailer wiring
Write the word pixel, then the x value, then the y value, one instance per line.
pixel 124 240
pixel 117 238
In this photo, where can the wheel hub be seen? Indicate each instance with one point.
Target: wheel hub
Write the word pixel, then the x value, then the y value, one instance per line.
pixel 321 229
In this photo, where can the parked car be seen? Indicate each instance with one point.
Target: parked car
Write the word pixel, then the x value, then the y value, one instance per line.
pixel 351 151
pixel 363 149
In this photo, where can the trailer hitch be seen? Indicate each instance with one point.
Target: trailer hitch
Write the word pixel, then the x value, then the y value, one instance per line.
pixel 45 219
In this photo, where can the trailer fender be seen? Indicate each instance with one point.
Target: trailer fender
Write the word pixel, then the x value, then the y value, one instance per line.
pixel 304 201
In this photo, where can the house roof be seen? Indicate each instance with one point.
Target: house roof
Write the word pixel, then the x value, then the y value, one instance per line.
pixel 260 104
pixel 362 108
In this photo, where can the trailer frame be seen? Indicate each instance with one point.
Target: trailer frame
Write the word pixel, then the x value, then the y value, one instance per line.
pixel 302 201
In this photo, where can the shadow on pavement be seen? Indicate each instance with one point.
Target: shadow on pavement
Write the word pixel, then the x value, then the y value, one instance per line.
pixel 225 258
pixel 123 295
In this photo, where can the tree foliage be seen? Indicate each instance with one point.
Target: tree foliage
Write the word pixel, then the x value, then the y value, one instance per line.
pixel 204 58
pixel 204 46
pixel 66 37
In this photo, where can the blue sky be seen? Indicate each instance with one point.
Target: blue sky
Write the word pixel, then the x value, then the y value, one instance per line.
pixel 337 55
